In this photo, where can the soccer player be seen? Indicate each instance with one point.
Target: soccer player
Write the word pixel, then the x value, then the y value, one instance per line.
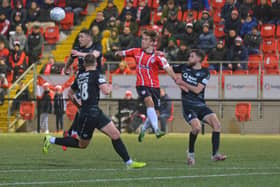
pixel 193 82
pixel 86 46
pixel 89 84
pixel 147 85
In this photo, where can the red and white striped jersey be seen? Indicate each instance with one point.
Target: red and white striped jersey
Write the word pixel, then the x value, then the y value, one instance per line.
pixel 147 66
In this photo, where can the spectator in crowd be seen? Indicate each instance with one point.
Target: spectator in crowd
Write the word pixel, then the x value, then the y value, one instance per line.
pixel 129 7
pixel 207 39
pixel 112 23
pixel 253 41
pixel 275 13
pixel 163 41
pixel 45 108
pixel 122 69
pixel 129 23
pixel 245 7
pixel 24 96
pixel 171 50
pixel 76 6
pixel 17 60
pixel 189 36
pixel 3 87
pixel 111 10
pixel 4 52
pixel 19 36
pixel 219 53
pixel 19 11
pixel 205 18
pixel 3 67
pixel 164 110
pixel 230 38
pixel 238 53
pixel 49 67
pixel 113 46
pixel 249 23
pixel 228 7
pixel 173 24
pixel 33 12
pixel 59 108
pixel 190 18
pixel 34 45
pixel 233 22
pixel 45 9
pixel 99 21
pixel 4 24
pixel 96 34
pixel 263 12
pixel 183 52
pixel 143 12
pixel 198 5
pixel 126 39
pixel 6 8
pixel 165 12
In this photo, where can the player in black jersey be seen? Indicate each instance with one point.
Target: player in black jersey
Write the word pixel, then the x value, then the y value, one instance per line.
pixel 88 84
pixel 86 46
pixel 193 82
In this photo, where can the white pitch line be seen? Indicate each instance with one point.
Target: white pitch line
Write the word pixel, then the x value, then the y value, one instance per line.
pixel 124 169
pixel 138 179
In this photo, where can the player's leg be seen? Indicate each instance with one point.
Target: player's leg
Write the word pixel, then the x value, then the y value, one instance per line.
pixel 196 127
pixel 109 128
pixel 72 131
pixel 212 119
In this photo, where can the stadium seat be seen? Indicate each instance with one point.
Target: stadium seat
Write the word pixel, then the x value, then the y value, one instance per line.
pixel 131 63
pixel 71 110
pixel 254 62
pixel 278 46
pixel 52 34
pixel 218 4
pixel 217 16
pixel 68 22
pixel 205 63
pixel 60 3
pixel 156 16
pixel 268 31
pixel 10 76
pixel 278 31
pixel 213 72
pixel 155 4
pixel 219 31
pixel 84 12
pixel 225 72
pixel 180 15
pixel 243 113
pixel 271 63
pixel 240 72
pixel 269 45
pixel 27 110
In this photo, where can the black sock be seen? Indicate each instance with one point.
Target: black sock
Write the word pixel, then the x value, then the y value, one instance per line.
pixel 215 142
pixel 67 141
pixel 192 140
pixel 121 149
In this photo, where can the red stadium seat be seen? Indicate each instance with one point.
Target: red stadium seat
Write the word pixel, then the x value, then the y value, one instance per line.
pixel 52 34
pixel 243 111
pixel 155 4
pixel 269 45
pixel 217 16
pixel 254 62
pixel 131 63
pixel 27 110
pixel 278 31
pixel 219 31
pixel 71 110
pixel 205 63
pixel 240 72
pixel 60 3
pixel 268 31
pixel 180 15
pixel 278 46
pixel 225 72
pixel 271 63
pixel 156 16
pixel 213 72
pixel 218 4
pixel 68 22
pixel 84 12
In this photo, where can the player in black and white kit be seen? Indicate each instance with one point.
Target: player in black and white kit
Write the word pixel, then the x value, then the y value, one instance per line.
pixel 86 46
pixel 89 84
pixel 193 82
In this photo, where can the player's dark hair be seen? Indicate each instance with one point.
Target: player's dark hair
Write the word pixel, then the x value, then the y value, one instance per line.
pixel 85 31
pixel 89 60
pixel 152 34
pixel 198 53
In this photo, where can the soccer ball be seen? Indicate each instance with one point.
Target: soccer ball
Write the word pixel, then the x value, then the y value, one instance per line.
pixel 57 14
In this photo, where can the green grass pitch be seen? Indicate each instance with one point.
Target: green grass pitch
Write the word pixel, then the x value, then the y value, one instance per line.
pixel 253 160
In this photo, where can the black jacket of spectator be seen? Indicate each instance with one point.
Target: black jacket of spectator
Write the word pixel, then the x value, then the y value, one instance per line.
pixel 101 25
pixel 110 12
pixel 145 16
pixel 245 8
pixel 233 24
pixel 275 10
pixel 252 41
pixel 45 103
pixel 3 69
pixel 33 15
pixel 7 11
pixel 76 4
pixel 189 38
pixel 22 12
pixel 182 55
pixel 263 13
pixel 125 10
pixel 34 46
pixel 58 104
pixel 45 12
pixel 227 8
pixel 175 26
pixel 126 41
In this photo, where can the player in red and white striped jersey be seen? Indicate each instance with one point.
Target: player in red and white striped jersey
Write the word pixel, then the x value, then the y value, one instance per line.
pixel 148 63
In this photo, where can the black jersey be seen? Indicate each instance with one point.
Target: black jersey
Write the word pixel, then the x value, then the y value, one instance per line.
pixel 193 77
pixel 94 46
pixel 87 84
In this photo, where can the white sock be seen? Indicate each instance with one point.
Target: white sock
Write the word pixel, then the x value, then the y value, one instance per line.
pixel 128 162
pixel 74 132
pixel 152 116
pixel 52 140
pixel 146 125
